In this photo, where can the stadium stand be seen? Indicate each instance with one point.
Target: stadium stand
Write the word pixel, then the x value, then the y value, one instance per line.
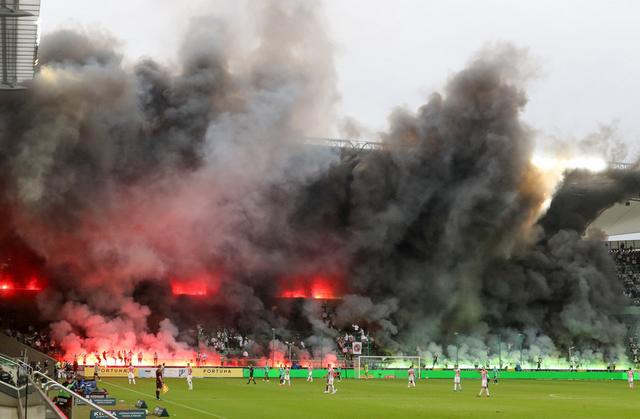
pixel 11 346
pixel 628 266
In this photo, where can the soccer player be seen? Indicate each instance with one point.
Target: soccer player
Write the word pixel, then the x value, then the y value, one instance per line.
pixel 330 377
pixel 266 373
pixel 287 377
pixel 251 378
pixel 132 378
pixel 159 382
pixel 495 375
pixel 310 373
pixel 281 375
pixel 366 371
pixel 96 372
pixel 485 382
pixel 412 377
pixel 630 377
pixel 189 376
pixel 456 380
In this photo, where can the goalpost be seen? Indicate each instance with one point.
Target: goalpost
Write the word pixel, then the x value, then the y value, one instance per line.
pixel 387 366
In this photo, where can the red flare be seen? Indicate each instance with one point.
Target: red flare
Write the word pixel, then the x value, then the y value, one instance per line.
pixel 6 286
pixel 33 285
pixel 198 286
pixel 318 287
pixel 192 288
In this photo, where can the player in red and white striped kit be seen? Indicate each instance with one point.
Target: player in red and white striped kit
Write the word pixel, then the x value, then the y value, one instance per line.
pixel 457 386
pixel 190 376
pixel 412 377
pixel 310 373
pixel 130 375
pixel 485 382
pixel 330 377
pixel 630 377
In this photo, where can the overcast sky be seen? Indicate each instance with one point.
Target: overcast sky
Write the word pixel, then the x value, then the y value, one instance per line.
pixel 396 52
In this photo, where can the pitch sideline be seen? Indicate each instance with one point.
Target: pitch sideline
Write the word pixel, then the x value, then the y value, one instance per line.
pixel 167 401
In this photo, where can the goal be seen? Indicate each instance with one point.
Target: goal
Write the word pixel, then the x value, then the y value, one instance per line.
pixel 387 366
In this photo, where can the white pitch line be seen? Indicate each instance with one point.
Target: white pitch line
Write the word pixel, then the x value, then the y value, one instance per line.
pixel 557 396
pixel 168 401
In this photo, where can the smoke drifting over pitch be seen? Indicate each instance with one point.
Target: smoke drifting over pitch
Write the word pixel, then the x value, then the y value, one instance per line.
pixel 124 180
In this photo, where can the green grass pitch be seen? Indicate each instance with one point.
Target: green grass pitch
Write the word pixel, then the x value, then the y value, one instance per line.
pixel 521 399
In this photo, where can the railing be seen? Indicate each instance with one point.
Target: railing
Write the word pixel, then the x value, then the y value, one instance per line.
pixel 378 144
pixel 40 391
pixel 50 383
pixel 358 145
pixel 20 392
pixel 51 411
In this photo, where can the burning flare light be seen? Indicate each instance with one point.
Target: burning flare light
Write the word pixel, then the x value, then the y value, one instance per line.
pixel 318 287
pixel 553 163
pixel 194 288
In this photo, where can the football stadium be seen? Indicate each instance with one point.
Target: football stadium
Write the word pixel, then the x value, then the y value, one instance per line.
pixel 205 234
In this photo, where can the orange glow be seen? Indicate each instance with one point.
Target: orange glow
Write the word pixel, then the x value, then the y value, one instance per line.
pixel 197 286
pixel 192 288
pixel 33 285
pixel 294 293
pixel 318 287
pixel 322 289
pixel 9 286
pixel 6 283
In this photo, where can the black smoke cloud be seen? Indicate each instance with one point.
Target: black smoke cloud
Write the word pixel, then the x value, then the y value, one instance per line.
pixel 122 178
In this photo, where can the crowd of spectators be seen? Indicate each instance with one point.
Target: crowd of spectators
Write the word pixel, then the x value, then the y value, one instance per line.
pixel 628 266
pixel 6 376
pixel 634 349
pixel 37 338
pixel 355 333
pixel 627 261
pixel 224 341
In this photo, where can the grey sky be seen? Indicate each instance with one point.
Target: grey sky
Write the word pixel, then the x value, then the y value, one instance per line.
pixel 395 52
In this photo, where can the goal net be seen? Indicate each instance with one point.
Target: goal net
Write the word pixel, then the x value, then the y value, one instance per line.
pixel 387 366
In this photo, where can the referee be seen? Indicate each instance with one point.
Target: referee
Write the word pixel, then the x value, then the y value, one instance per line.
pixel 251 378
pixel 159 382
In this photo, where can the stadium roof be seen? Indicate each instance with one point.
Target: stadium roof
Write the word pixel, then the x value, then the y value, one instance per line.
pixel 620 222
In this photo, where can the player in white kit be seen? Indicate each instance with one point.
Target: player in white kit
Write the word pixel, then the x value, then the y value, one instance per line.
pixel 485 382
pixel 310 374
pixel 630 377
pixel 457 386
pixel 130 375
pixel 330 377
pixel 287 377
pixel 189 376
pixel 412 377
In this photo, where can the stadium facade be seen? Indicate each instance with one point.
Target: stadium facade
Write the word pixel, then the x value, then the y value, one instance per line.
pixel 19 38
